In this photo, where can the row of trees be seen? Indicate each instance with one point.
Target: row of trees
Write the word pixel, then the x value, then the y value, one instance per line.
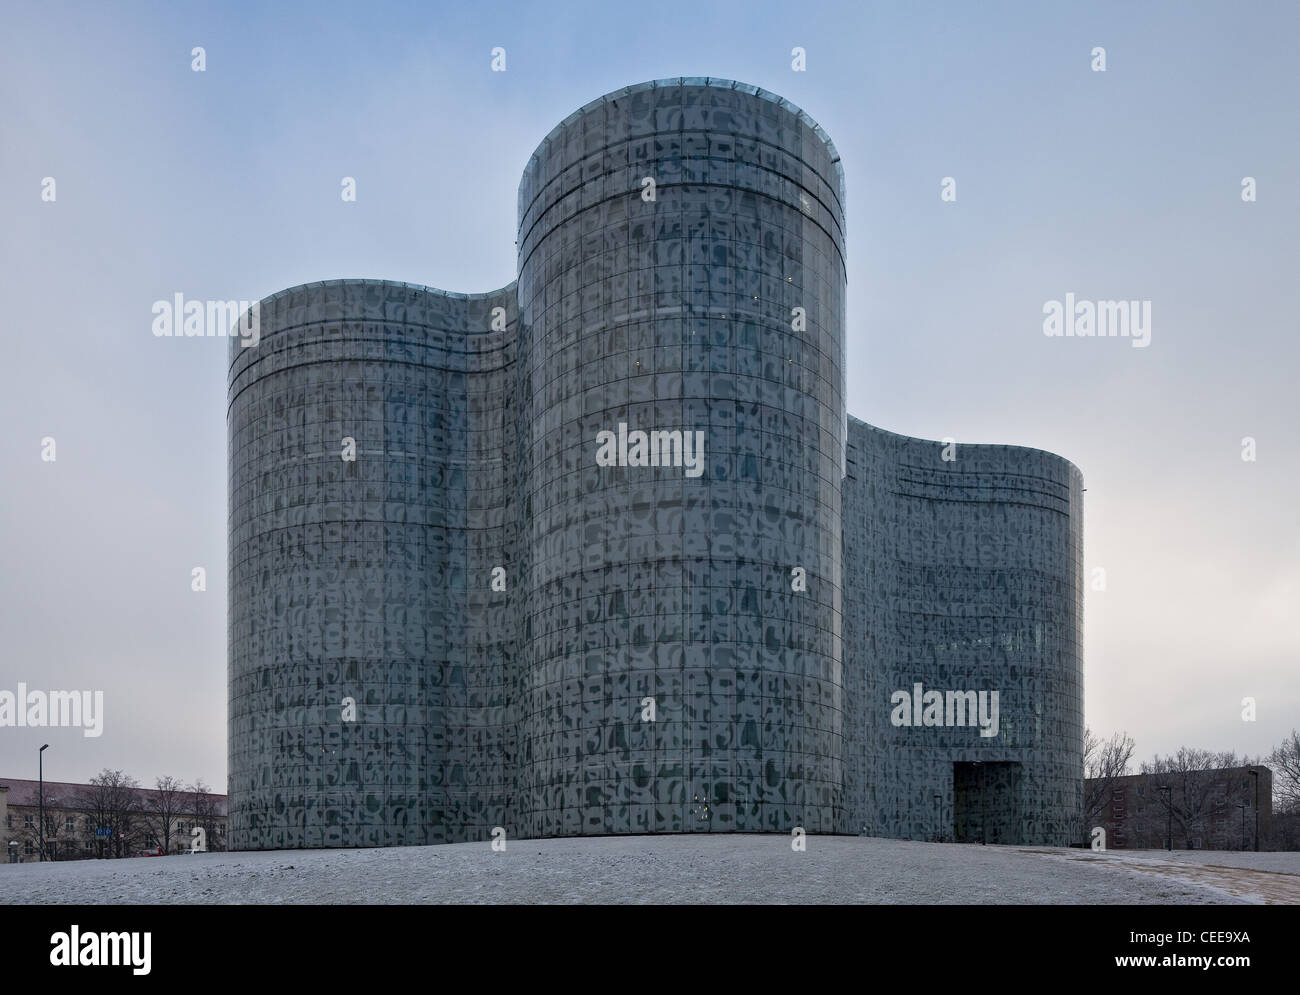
pixel 111 817
pixel 1189 785
pixel 1284 761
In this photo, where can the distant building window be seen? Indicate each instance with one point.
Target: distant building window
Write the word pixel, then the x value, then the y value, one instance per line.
pixel 27 848
pixel 9 821
pixel 70 824
pixel 29 822
pixel 1142 791
pixel 1196 843
pixel 89 846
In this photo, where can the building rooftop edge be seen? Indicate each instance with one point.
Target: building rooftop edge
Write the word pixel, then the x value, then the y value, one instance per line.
pixel 718 82
pixel 980 445
pixel 363 281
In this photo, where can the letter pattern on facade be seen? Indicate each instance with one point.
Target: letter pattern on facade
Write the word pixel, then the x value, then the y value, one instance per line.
pixel 522 705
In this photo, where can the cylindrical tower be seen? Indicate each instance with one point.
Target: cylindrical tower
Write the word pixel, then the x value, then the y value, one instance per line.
pixel 681 274
pixel 369 497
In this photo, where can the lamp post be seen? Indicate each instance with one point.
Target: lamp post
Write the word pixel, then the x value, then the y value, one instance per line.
pixel 983 807
pixel 1255 775
pixel 40 767
pixel 984 824
pixel 938 818
pixel 1243 806
pixel 1169 807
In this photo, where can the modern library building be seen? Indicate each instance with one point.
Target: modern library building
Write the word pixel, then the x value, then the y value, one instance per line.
pixel 602 552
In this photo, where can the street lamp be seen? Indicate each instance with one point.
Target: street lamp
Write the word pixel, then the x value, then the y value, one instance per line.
pixel 40 766
pixel 984 780
pixel 1255 775
pixel 1169 807
pixel 1243 806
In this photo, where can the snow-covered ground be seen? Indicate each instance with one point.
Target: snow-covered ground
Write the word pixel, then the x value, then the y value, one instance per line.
pixel 1267 878
pixel 669 869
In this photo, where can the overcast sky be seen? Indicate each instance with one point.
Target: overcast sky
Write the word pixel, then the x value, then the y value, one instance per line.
pixel 1122 184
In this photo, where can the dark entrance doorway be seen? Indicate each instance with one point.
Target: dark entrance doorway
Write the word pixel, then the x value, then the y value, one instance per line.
pixel 986 802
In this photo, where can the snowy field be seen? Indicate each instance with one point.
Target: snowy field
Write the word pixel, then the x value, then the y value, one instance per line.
pixel 670 869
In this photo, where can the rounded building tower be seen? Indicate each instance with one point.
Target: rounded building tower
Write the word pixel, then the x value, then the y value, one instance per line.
pixel 369 488
pixel 681 301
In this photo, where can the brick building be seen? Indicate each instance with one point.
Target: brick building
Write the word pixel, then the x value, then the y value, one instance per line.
pixel 1206 809
pixel 85 821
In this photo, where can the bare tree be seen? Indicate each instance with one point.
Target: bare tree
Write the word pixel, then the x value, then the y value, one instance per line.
pixel 31 835
pixel 1285 834
pixel 111 805
pixel 1103 763
pixel 204 807
pixel 164 805
pixel 1285 762
pixel 1186 787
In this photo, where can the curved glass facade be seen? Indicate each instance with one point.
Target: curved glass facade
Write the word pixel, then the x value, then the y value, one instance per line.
pixel 592 563
pixel 964 574
pixel 368 653
pixel 667 235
